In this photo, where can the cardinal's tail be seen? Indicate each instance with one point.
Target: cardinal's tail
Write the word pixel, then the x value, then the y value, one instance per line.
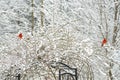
pixel 102 44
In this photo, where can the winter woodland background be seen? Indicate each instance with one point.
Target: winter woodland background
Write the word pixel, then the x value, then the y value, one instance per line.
pixel 68 31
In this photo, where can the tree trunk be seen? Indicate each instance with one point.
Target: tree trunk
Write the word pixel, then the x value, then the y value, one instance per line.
pixel 42 16
pixel 115 30
pixel 32 17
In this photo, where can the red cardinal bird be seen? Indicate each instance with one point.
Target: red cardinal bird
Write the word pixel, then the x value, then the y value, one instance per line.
pixel 20 36
pixel 104 41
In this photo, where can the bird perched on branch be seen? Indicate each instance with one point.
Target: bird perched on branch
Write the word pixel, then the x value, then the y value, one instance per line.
pixel 104 41
pixel 20 36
